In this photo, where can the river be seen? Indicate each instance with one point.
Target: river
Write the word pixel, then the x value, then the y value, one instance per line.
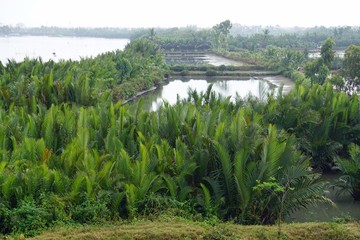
pixel 56 48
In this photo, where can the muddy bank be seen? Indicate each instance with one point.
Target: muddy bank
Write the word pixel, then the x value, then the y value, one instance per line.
pixel 139 94
pixel 280 80
pixel 217 60
pixel 200 58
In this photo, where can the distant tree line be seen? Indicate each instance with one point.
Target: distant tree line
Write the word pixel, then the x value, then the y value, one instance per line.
pixel 309 39
pixel 71 32
pixel 249 37
pixel 194 38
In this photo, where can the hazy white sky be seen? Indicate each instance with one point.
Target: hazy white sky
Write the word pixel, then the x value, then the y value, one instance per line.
pixel 168 13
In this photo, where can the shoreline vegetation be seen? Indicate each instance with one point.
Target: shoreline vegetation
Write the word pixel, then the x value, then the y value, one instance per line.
pixel 72 153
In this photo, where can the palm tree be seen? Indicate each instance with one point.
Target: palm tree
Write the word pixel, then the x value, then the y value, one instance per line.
pixel 350 173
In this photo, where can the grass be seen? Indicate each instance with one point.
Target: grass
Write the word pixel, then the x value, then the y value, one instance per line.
pixel 164 228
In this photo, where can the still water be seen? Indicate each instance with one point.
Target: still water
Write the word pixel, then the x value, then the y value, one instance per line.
pixel 56 48
pixel 344 207
pixel 178 88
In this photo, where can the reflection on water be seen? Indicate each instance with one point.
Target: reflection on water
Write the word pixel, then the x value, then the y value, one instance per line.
pixel 179 88
pixel 345 207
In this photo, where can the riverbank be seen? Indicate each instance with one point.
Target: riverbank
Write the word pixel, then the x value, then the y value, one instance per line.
pixel 139 94
pixel 178 228
pixel 279 80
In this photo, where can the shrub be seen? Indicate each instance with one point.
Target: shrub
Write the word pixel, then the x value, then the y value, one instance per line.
pixel 91 211
pixel 5 220
pixel 222 68
pixel 211 73
pixel 28 218
pixel 184 72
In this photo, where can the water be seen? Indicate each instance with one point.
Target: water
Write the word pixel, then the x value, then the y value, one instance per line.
pixel 199 58
pixel 316 54
pixel 344 207
pixel 56 48
pixel 179 88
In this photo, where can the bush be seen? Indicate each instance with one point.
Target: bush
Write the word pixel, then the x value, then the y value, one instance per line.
pixel 222 68
pixel 211 73
pixel 28 218
pixel 91 211
pixel 57 208
pixel 203 68
pixel 5 220
pixel 178 68
pixel 184 72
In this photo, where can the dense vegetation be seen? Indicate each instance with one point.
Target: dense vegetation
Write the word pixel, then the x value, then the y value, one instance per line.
pixel 70 152
pixel 247 160
pixel 117 75
pixel 249 38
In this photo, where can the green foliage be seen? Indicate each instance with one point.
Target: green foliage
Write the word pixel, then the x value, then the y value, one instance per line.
pixel 317 71
pixel 351 68
pixel 28 218
pixel 337 81
pixel 211 73
pixel 327 52
pixel 91 211
pixel 220 35
pixel 350 170
pixel 80 157
pixel 5 219
pixel 87 82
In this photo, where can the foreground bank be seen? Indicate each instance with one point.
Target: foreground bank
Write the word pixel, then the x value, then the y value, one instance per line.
pixel 170 228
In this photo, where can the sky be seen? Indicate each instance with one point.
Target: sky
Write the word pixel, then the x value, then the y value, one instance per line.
pixel 169 13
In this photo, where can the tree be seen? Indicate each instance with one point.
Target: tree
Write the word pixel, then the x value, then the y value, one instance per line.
pixel 124 67
pixel 327 52
pixel 266 37
pixel 317 71
pixel 152 34
pixel 220 34
pixel 337 81
pixel 350 170
pixel 351 68
pixel 224 27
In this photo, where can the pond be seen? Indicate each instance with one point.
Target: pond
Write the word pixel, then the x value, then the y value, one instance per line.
pixel 242 87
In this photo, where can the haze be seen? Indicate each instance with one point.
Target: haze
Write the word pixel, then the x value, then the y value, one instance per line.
pixel 162 13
